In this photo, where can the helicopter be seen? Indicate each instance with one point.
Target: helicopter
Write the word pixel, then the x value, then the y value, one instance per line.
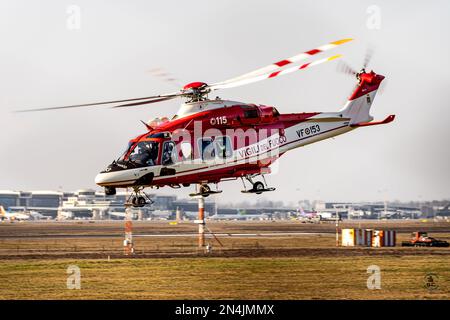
pixel 210 140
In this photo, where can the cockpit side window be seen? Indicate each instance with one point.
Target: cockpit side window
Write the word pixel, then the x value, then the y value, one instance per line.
pixel 206 147
pixel 223 147
pixel 169 154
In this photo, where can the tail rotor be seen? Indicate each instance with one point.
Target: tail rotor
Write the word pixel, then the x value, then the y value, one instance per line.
pixel 345 68
pixel 368 57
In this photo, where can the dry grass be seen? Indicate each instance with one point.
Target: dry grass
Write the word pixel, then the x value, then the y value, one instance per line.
pixel 226 278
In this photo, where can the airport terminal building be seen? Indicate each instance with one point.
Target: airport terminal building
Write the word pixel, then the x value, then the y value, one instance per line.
pixel 91 204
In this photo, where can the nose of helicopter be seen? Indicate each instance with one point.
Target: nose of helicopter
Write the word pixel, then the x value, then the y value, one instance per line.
pixel 115 174
pixel 104 178
pixel 101 179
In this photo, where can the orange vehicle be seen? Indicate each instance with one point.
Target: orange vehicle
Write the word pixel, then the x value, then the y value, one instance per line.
pixel 421 239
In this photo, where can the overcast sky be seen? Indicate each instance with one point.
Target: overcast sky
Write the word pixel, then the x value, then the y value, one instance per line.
pixel 46 61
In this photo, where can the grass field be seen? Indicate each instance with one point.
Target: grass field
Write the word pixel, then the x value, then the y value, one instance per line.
pixel 226 278
pixel 34 258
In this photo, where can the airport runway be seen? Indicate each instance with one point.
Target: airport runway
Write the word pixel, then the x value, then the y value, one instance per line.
pixel 223 229
pixel 236 235
pixel 164 235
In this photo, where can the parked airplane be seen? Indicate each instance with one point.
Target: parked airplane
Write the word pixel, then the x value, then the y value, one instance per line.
pixel 11 216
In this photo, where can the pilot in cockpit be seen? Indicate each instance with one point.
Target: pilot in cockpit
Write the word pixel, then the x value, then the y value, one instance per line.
pixel 168 154
pixel 153 154
pixel 145 154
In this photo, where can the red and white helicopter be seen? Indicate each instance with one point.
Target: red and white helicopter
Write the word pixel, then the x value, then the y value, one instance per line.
pixel 212 140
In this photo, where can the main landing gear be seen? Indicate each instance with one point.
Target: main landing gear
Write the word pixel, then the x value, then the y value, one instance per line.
pixel 257 187
pixel 204 191
pixel 138 198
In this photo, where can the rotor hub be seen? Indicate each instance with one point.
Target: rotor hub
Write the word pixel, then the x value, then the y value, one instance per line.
pixel 196 91
pixel 195 85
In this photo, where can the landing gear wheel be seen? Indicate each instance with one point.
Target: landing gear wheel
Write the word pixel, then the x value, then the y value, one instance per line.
pixel 138 202
pixel 138 199
pixel 110 191
pixel 258 187
pixel 141 201
pixel 204 190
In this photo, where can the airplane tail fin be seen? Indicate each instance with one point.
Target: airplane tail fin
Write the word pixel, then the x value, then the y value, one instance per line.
pixel 358 105
pixel 302 211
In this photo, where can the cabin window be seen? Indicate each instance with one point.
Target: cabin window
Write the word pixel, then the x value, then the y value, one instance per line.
pixel 169 154
pixel 206 148
pixel 186 151
pixel 223 147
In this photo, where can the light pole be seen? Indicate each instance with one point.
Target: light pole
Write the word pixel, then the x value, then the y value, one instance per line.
pixel 337 226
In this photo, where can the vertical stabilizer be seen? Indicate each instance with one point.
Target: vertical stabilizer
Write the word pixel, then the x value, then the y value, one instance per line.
pixel 358 105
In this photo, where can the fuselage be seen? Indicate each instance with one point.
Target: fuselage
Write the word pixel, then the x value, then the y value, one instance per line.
pixel 209 141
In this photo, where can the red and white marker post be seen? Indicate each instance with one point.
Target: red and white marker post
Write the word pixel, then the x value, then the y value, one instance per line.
pixel 128 242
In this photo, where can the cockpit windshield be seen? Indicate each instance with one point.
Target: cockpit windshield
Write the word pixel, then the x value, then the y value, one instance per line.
pixel 122 157
pixel 144 153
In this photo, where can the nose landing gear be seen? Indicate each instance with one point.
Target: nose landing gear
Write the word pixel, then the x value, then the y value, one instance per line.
pixel 110 191
pixel 204 191
pixel 138 198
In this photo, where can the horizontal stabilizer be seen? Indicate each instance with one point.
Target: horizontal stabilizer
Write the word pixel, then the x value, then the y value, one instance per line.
pixel 374 123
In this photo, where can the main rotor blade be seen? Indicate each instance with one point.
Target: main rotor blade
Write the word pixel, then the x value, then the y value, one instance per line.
pixel 272 74
pixel 100 103
pixel 165 76
pixel 143 102
pixel 282 63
